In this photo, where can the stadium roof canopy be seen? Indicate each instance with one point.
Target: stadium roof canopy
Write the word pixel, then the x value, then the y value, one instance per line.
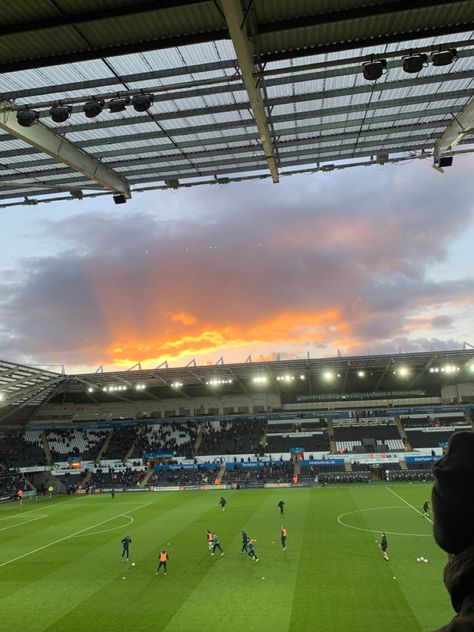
pixel 238 89
pixel 25 389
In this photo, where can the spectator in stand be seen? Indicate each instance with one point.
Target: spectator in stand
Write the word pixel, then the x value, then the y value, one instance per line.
pixel 453 512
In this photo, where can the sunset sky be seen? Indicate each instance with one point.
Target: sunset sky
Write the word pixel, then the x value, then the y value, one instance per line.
pixel 362 260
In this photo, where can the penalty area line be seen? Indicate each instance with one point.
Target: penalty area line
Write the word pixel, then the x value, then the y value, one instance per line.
pixel 67 537
pixel 407 503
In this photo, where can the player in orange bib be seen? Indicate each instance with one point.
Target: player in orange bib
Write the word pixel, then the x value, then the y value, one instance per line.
pixel 210 540
pixel 163 558
pixel 283 538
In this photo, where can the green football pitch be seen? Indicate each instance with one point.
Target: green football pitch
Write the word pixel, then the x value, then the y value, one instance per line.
pixel 61 570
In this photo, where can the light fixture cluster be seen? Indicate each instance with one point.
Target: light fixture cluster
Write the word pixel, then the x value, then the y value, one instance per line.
pixel 285 378
pixel 360 373
pixel 140 387
pixel 110 389
pixel 2 397
pixel 176 384
pixel 447 368
pixel 260 379
pixel 412 64
pixel 402 371
pixel 217 382
pixel 60 112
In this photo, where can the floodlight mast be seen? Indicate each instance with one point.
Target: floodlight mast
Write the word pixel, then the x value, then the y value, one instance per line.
pixel 47 141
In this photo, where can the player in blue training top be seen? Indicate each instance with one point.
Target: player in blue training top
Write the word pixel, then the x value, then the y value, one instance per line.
pixel 217 545
pixel 126 542
pixel 251 551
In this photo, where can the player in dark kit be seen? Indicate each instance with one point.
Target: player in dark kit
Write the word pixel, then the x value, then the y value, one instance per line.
pixel 426 509
pixel 223 503
pixel 126 542
pixel 281 506
pixel 251 550
pixel 163 559
pixel 245 541
pixel 112 493
pixel 383 546
pixel 283 538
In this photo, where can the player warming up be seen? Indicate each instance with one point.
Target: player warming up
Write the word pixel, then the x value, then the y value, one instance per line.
pixel 426 509
pixel 126 542
pixel 245 541
pixel 222 503
pixel 162 561
pixel 281 507
pixel 251 550
pixel 283 538
pixel 383 546
pixel 216 545
pixel 210 540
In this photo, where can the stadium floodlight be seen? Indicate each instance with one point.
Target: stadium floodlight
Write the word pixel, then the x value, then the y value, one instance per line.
pixel 403 371
pixel 60 113
pixel 449 368
pixel 471 367
pixel 90 389
pixel 444 57
pixel 360 373
pixel 217 382
pixel 2 397
pixel 286 378
pixel 93 108
pixel 328 376
pixel 118 104
pixel 414 63
pixel 27 117
pixel 140 387
pixel 142 102
pixel 260 379
pixel 176 384
pixel 373 70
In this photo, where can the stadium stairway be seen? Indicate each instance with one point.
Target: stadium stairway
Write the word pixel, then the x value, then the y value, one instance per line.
pixel 130 451
pixel 46 448
pixel 146 478
pixel 348 466
pixel 332 440
pixel 403 465
pixel 197 443
pixel 104 447
pixel 220 474
pixel 402 433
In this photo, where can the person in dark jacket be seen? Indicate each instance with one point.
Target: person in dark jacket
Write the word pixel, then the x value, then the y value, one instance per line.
pixel 452 502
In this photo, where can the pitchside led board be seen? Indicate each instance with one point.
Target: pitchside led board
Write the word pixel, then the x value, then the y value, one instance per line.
pixel 73 463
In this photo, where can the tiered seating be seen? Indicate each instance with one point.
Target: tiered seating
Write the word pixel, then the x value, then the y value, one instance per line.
pixel 84 444
pixel 427 438
pixel 174 438
pixel 239 436
pixel 10 484
pixel 182 476
pixel 412 475
pixel 280 443
pixel 386 437
pixel 435 421
pixel 120 443
pixel 116 478
pixel 16 451
pixel 275 472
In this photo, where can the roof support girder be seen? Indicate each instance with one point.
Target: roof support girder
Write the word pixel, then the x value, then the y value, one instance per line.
pixel 62 150
pixel 462 124
pixel 243 46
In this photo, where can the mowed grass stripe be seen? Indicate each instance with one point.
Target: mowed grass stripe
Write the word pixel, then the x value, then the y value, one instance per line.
pixel 343 581
pixel 156 599
pixel 233 587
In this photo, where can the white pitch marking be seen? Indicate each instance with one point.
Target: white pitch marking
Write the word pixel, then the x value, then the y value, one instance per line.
pixel 351 526
pixel 407 503
pixel 20 524
pixel 67 537
pixel 121 526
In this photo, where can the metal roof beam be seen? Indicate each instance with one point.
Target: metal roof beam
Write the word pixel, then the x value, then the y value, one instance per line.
pixel 62 150
pixel 73 19
pixel 462 124
pixel 383 10
pixel 243 46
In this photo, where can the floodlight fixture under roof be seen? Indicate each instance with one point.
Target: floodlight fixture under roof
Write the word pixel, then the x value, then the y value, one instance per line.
pixel 27 117
pixel 142 102
pixel 415 62
pixel 93 108
pixel 118 104
pixel 60 113
pixel 373 70
pixel 444 57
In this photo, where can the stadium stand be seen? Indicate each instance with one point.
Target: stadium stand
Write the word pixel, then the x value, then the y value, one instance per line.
pixel 78 443
pixel 17 451
pixel 430 438
pixel 239 436
pixel 368 438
